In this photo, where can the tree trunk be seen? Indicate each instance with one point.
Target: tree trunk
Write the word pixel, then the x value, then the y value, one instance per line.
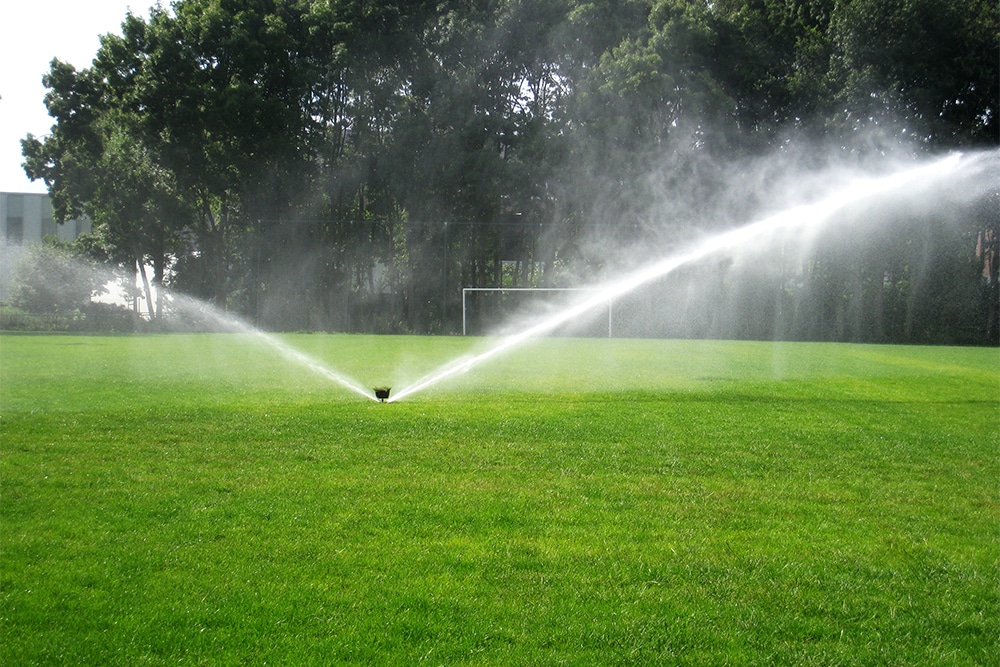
pixel 878 306
pixel 141 266
pixel 159 268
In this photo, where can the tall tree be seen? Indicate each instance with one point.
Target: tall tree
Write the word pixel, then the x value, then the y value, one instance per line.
pixel 292 154
pixel 96 165
pixel 926 69
pixel 63 158
pixel 223 106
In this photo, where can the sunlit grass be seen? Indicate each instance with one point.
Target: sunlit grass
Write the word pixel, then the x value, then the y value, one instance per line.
pixel 197 499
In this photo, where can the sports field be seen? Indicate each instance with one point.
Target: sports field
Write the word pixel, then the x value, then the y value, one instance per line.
pixel 201 500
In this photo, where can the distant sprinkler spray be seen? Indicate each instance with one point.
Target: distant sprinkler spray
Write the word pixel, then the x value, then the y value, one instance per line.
pixel 229 322
pixel 792 219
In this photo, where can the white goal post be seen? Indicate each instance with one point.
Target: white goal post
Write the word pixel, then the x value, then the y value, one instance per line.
pixel 466 290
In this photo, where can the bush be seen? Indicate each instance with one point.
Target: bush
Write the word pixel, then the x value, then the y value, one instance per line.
pixel 50 280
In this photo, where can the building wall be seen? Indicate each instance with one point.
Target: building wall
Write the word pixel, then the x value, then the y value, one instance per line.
pixel 25 219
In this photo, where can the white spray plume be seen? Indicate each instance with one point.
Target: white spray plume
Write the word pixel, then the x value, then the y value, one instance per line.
pixel 798 219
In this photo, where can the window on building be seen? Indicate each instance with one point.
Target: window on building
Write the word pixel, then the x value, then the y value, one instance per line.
pixel 15 219
pixel 15 230
pixel 49 227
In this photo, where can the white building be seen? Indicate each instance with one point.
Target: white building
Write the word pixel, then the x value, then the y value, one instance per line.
pixel 26 218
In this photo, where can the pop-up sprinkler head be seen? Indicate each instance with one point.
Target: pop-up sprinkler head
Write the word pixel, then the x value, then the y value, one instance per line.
pixel 382 393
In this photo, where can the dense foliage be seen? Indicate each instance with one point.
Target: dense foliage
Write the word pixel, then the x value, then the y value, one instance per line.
pixel 296 160
pixel 54 288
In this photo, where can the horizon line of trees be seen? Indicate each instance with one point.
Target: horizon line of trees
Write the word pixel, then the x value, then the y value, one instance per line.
pixel 293 161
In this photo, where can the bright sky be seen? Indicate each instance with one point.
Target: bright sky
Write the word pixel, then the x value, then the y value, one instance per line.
pixel 32 33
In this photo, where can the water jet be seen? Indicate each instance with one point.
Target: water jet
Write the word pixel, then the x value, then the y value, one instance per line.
pixel 792 223
pixel 201 311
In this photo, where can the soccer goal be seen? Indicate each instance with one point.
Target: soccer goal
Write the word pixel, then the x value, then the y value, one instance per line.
pixel 501 292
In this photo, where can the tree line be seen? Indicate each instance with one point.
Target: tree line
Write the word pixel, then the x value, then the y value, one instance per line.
pixel 351 165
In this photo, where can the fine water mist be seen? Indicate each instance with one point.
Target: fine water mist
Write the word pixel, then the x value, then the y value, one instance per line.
pixel 950 181
pixel 201 313
pixel 796 225
pixel 77 280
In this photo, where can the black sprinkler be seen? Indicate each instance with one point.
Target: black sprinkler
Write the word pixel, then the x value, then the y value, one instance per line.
pixel 382 393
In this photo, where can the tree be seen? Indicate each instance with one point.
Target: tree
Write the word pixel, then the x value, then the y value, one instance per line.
pixel 292 159
pixel 137 211
pixel 63 158
pixel 222 108
pixel 773 59
pixel 51 278
pixel 925 69
pixel 96 163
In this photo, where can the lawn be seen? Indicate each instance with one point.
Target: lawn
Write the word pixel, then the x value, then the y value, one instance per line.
pixel 201 500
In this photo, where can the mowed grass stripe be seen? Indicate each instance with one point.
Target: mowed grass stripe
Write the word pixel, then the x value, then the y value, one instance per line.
pixel 197 499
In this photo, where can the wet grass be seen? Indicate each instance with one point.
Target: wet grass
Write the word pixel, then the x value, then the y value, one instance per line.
pixel 199 500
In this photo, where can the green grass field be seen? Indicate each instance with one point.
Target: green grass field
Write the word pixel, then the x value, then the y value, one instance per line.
pixel 199 500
